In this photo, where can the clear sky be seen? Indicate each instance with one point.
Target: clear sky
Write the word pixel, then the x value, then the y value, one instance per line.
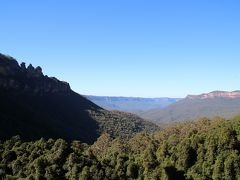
pixel 148 48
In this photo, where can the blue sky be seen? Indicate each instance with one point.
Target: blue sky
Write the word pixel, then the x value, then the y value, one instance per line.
pixel 148 48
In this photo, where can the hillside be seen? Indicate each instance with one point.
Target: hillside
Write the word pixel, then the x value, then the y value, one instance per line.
pixel 205 149
pixel 217 103
pixel 34 105
pixel 131 104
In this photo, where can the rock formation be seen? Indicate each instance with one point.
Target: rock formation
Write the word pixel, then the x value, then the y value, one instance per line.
pixel 14 76
pixel 214 94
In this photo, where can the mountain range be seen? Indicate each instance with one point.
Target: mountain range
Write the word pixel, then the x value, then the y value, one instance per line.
pixel 34 105
pixel 216 103
pixel 135 105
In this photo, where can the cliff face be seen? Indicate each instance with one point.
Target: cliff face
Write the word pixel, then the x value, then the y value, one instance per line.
pixel 215 94
pixel 217 103
pixel 28 79
pixel 33 106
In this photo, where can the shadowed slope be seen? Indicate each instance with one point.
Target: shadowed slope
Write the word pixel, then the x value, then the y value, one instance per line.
pixel 34 106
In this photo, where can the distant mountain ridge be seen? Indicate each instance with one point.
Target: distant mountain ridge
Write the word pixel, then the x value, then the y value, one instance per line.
pixel 34 105
pixel 216 103
pixel 214 94
pixel 131 104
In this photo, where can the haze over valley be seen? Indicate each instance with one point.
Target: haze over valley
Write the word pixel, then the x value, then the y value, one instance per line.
pixel 120 90
pixel 170 110
pixel 35 107
pixel 131 104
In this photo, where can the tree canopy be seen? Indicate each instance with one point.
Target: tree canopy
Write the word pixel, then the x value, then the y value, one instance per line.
pixel 206 149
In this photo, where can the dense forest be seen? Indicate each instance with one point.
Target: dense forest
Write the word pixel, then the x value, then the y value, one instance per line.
pixel 204 149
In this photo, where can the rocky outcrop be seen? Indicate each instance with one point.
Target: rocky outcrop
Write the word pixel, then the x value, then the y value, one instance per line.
pixel 28 79
pixel 215 94
pixel 33 106
pixel 8 66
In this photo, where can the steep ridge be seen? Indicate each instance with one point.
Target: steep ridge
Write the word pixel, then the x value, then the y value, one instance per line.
pixel 216 103
pixel 34 105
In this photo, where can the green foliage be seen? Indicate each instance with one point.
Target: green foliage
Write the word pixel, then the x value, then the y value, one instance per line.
pixel 207 149
pixel 121 124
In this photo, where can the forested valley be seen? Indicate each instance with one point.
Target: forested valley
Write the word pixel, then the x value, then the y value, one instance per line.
pixel 203 149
